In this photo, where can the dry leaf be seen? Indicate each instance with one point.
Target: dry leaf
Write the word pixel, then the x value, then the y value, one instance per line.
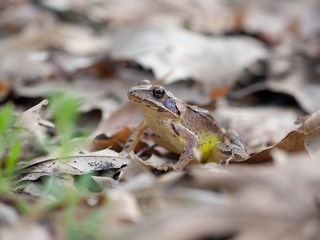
pixel 74 165
pixel 111 124
pixel 311 122
pixel 258 127
pixel 30 120
pixel 168 50
pixel 301 81
pixel 258 205
pixel 25 231
pixel 8 215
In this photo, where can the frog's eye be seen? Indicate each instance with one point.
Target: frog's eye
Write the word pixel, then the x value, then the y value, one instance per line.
pixel 158 92
pixel 144 83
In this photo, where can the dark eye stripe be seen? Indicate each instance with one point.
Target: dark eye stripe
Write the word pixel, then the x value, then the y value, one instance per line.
pixel 171 105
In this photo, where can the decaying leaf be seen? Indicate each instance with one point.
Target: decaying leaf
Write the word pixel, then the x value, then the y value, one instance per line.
pixel 311 128
pixel 110 125
pixel 306 137
pixel 258 127
pixel 123 211
pixel 5 88
pixel 257 206
pixel 25 230
pixel 311 122
pixel 32 122
pixel 301 81
pixel 293 142
pixel 168 50
pixel 75 165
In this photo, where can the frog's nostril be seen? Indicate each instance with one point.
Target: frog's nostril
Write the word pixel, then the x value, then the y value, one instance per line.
pixel 130 93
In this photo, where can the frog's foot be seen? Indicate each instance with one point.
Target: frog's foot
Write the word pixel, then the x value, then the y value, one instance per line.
pixel 178 166
pixel 225 162
pixel 129 155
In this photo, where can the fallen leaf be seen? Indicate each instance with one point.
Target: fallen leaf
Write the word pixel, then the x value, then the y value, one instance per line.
pixel 298 78
pixel 293 142
pixel 30 120
pixel 75 165
pixel 25 230
pixel 259 204
pixel 258 127
pixel 167 50
pixel 311 122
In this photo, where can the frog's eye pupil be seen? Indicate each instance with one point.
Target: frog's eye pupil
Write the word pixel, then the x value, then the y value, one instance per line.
pixel 158 92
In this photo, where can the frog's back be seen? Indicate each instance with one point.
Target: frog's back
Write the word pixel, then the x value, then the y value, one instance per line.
pixel 204 126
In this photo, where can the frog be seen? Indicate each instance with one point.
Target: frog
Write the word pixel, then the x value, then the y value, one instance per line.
pixel 184 129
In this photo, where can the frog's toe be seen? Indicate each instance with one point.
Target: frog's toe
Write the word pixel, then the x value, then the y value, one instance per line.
pixel 129 155
pixel 178 166
pixel 225 162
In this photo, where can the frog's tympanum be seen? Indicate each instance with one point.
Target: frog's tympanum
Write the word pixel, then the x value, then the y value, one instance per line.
pixel 185 129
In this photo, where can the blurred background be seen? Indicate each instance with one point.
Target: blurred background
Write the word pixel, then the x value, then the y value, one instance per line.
pixel 65 69
pixel 250 53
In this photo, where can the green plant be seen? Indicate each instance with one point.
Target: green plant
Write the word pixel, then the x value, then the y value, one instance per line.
pixel 86 228
pixel 10 146
pixel 65 109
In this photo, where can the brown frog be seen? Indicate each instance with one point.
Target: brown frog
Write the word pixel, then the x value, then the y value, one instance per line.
pixel 184 129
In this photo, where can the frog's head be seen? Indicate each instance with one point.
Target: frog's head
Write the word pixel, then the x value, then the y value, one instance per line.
pixel 153 98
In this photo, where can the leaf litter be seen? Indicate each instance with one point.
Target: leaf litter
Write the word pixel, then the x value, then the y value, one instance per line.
pixel 252 64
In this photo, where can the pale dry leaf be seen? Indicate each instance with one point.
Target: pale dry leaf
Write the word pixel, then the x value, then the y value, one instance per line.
pixel 112 123
pixel 271 18
pixel 258 127
pixel 186 54
pixel 104 182
pixel 30 120
pixel 31 188
pixel 36 127
pixel 77 40
pixel 298 82
pixel 8 215
pixel 293 142
pixel 94 94
pixel 196 15
pixel 312 142
pixel 269 203
pixel 23 51
pixel 75 165
pixel 139 183
pixel 279 20
pixel 25 231
pixel 195 91
pixel 134 168
pixel 311 127
pixel 43 88
pixel 123 210
pixel 311 122
pixel 160 163
pixel 138 180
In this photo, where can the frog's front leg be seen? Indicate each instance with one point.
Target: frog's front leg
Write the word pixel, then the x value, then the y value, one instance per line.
pixel 134 139
pixel 190 151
